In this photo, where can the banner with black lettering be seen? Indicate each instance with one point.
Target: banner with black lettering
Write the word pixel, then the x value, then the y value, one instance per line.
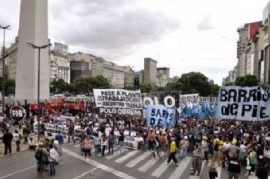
pixel 118 101
pixel 244 103
pixel 157 115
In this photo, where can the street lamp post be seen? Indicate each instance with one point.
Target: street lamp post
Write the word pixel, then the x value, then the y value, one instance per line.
pixel 3 66
pixel 38 87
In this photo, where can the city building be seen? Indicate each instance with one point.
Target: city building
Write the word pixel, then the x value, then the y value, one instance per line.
pixel 60 63
pixel 150 71
pixel 163 76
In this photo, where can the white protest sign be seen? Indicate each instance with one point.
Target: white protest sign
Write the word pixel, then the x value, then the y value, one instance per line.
pixel 244 103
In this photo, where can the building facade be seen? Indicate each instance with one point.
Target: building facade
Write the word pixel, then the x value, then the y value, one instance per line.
pixel 163 76
pixel 150 71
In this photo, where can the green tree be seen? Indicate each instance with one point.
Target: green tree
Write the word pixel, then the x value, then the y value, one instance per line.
pixel 86 85
pixel 9 86
pixel 194 82
pixel 214 89
pixel 145 87
pixel 247 80
pixel 59 86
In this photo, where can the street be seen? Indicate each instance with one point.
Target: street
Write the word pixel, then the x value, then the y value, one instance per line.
pixel 129 165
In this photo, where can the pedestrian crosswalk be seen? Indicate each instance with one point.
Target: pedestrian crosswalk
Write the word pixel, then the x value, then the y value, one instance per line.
pixel 143 163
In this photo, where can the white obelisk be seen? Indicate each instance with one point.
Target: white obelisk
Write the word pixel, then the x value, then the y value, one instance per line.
pixel 33 28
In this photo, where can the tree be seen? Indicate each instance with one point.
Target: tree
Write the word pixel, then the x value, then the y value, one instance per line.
pixel 59 86
pixel 145 87
pixel 247 80
pixel 86 85
pixel 194 82
pixel 9 86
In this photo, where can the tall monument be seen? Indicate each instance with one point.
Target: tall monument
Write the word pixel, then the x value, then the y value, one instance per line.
pixel 33 28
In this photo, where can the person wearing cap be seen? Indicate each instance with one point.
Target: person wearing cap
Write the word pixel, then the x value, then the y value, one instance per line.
pixel 151 139
pixel 172 151
pixel 40 155
pixel 205 147
pixel 184 144
pixel 163 142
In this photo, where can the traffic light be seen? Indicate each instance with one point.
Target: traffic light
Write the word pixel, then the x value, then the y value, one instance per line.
pixel 136 82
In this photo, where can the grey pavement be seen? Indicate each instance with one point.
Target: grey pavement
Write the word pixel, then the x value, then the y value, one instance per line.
pixel 130 165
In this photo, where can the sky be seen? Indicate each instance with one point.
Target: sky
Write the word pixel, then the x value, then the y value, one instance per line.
pixel 183 35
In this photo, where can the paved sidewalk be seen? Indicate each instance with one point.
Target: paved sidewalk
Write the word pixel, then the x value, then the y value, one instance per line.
pixel 22 146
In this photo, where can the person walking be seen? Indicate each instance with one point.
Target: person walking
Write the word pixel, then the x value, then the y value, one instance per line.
pixel 17 138
pixel 60 139
pixel 184 144
pixel 234 167
pixel 213 165
pixel 39 155
pixel 104 143
pixel 156 147
pixel 172 151
pixel 87 146
pixel 110 143
pixel 7 140
pixel 205 147
pixel 198 157
pixel 121 142
pixel 53 157
pixel 97 143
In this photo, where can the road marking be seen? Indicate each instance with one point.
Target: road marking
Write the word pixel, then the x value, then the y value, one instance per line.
pixel 134 162
pixel 181 168
pixel 85 173
pixel 197 177
pixel 158 172
pixel 99 165
pixel 14 173
pixel 127 156
pixel 23 170
pixel 148 165
pixel 114 153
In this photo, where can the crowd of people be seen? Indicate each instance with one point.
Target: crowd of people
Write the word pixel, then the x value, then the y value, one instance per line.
pixel 231 144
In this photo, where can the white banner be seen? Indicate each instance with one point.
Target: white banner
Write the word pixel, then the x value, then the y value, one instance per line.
pixel 244 103
pixel 118 98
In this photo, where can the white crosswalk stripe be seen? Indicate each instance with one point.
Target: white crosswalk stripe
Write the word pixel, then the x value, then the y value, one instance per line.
pixel 134 162
pixel 197 177
pixel 148 165
pixel 127 156
pixel 158 172
pixel 115 154
pixel 181 168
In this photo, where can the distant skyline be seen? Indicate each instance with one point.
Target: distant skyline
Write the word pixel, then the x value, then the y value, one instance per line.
pixel 185 36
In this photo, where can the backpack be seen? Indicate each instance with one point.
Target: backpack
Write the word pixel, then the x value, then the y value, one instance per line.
pixel 216 147
pixel 88 131
pixel 39 155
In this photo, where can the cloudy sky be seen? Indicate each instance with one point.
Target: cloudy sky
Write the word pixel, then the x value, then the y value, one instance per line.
pixel 184 35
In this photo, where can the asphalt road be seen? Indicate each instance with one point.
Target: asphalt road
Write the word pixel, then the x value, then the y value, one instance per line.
pixel 134 164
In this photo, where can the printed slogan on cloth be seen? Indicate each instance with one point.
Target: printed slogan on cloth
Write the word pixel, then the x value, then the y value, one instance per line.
pixel 118 101
pixel 244 103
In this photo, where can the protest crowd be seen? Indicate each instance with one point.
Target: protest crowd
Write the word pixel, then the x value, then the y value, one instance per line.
pixel 232 144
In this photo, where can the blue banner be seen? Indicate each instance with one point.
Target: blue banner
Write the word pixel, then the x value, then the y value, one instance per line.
pixel 157 115
pixel 171 118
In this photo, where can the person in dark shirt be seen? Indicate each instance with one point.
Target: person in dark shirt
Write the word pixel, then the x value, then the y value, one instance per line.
pixel 262 171
pixel 234 167
pixel 7 139
pixel 121 142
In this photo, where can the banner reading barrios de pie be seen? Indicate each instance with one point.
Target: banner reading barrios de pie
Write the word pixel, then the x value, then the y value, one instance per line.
pixel 118 101
pixel 244 103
